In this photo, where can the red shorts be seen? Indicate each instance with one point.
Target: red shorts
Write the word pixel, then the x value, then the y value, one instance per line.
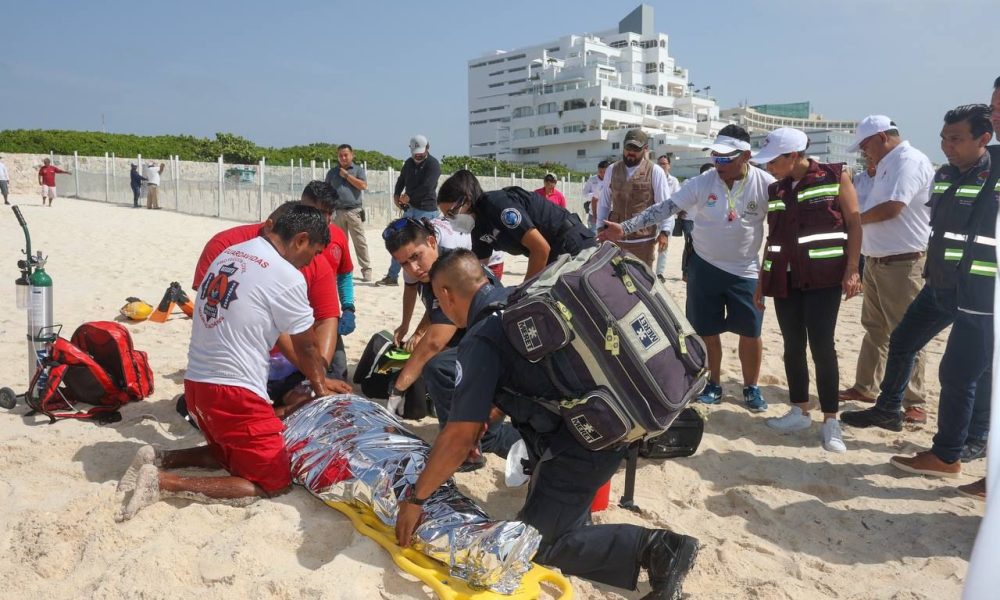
pixel 242 431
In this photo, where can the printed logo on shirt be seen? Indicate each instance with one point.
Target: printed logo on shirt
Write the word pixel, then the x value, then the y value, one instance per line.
pixel 529 334
pixel 218 291
pixel 751 209
pixel 712 199
pixel 458 373
pixel 511 217
pixel 489 239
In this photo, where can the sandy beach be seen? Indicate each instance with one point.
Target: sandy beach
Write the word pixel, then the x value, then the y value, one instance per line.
pixel 777 516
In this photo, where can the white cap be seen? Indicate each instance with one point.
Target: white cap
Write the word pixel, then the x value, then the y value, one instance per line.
pixel 868 127
pixel 418 144
pixel 781 141
pixel 727 145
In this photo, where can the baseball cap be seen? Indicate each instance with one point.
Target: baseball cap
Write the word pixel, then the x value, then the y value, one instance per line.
pixel 868 127
pixel 725 144
pixel 550 177
pixel 636 138
pixel 418 144
pixel 781 141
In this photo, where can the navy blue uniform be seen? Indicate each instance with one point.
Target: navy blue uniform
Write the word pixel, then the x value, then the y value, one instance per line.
pixel 504 216
pixel 566 476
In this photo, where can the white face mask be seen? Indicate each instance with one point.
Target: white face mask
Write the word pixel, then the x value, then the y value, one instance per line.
pixel 463 223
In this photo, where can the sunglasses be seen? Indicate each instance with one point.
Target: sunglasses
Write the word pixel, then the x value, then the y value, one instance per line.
pixel 393 229
pixel 453 211
pixel 726 159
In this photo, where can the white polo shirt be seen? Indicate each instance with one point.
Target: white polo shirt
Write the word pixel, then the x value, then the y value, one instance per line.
pixel 903 175
pixel 732 246
pixel 153 174
pixel 863 183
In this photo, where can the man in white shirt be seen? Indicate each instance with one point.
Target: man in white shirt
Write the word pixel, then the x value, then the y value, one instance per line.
pixel 631 185
pixel 152 175
pixel 4 179
pixel 592 194
pixel 252 293
pixel 663 239
pixel 731 207
pixel 896 222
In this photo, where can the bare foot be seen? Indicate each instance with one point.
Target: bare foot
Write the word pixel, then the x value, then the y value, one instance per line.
pixel 147 492
pixel 147 455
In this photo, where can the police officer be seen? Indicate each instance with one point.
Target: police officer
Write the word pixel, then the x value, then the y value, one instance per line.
pixel 960 276
pixel 416 246
pixel 566 475
pixel 810 256
pixel 512 220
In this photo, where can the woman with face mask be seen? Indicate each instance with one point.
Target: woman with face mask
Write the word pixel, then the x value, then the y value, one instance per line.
pixel 512 220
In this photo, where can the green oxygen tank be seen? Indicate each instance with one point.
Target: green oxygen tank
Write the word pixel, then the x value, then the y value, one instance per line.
pixel 39 319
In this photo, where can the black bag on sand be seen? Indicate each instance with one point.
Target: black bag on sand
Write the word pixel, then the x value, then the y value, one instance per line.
pixel 377 370
pixel 682 439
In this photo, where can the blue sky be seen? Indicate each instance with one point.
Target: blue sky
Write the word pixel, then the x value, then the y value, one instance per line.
pixel 373 73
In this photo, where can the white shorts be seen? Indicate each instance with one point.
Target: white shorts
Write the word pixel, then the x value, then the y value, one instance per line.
pixel 48 191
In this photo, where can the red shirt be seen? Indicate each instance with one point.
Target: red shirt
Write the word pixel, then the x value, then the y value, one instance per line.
pixel 321 283
pixel 48 175
pixel 555 197
pixel 337 253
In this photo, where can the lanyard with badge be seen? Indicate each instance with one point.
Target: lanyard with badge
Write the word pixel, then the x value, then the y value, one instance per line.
pixel 733 194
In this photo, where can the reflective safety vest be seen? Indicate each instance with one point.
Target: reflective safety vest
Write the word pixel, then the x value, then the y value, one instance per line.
pixel 962 252
pixel 806 244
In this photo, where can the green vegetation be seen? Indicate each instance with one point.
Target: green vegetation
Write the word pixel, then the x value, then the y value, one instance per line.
pixel 236 149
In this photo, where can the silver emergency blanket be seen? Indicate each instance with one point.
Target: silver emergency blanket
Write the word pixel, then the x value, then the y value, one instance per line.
pixel 346 448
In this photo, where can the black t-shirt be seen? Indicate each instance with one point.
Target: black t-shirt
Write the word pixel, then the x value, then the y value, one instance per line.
pixel 433 308
pixel 504 216
pixel 487 362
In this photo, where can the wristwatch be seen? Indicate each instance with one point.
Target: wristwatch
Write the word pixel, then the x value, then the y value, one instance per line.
pixel 410 496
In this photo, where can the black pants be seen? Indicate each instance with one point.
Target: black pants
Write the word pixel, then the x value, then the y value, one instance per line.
pixel 811 316
pixel 563 484
pixel 439 378
pixel 135 197
pixel 686 227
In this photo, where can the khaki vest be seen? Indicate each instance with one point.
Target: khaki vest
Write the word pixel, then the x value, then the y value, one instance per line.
pixel 630 197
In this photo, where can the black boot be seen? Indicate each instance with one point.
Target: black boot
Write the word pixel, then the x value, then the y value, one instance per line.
pixel 667 557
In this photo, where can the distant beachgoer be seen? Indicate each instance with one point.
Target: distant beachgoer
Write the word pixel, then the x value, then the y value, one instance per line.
pixel 415 192
pixel 4 179
pixel 152 177
pixel 592 194
pixel 226 379
pixel 47 179
pixel 810 257
pixel 549 191
pixel 135 181
pixel 350 181
pixel 663 238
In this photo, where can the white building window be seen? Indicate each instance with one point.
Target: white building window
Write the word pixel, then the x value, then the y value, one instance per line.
pixel 582 152
pixel 523 111
pixel 548 107
pixel 651 67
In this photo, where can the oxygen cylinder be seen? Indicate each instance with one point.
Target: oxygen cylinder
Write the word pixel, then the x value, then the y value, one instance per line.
pixel 39 321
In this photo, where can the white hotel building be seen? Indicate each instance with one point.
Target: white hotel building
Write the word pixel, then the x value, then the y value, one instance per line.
pixel 571 100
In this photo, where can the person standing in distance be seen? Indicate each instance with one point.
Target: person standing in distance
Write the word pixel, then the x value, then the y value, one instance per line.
pixel 350 181
pixel 47 179
pixel 663 239
pixel 152 177
pixel 592 194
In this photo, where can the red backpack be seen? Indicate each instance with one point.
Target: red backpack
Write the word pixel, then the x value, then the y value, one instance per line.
pixel 97 366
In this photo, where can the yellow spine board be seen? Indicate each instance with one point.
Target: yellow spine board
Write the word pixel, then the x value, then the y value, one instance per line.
pixel 435 574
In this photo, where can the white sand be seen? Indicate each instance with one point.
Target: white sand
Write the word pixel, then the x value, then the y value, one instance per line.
pixel 777 516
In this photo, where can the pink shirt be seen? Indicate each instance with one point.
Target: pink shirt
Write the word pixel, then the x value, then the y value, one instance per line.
pixel 555 197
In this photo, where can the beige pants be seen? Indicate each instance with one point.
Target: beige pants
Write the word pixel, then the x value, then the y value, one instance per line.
pixel 644 250
pixel 350 221
pixel 889 290
pixel 151 200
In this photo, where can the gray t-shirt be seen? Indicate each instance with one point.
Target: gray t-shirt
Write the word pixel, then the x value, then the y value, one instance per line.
pixel 348 196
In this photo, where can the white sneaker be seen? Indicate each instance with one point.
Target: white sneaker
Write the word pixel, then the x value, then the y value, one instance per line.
pixel 793 420
pixel 833 439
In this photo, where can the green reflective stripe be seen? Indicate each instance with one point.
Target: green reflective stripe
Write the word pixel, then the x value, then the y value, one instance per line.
pixel 953 253
pixel 983 268
pixel 969 191
pixel 767 265
pixel 833 252
pixel 775 205
pixel 940 188
pixel 822 190
pixel 997 186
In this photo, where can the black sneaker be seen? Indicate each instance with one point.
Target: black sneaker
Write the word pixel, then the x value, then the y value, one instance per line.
pixel 661 278
pixel 872 417
pixel 973 450
pixel 389 281
pixel 667 557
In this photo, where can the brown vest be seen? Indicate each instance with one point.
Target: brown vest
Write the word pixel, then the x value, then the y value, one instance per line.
pixel 630 197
